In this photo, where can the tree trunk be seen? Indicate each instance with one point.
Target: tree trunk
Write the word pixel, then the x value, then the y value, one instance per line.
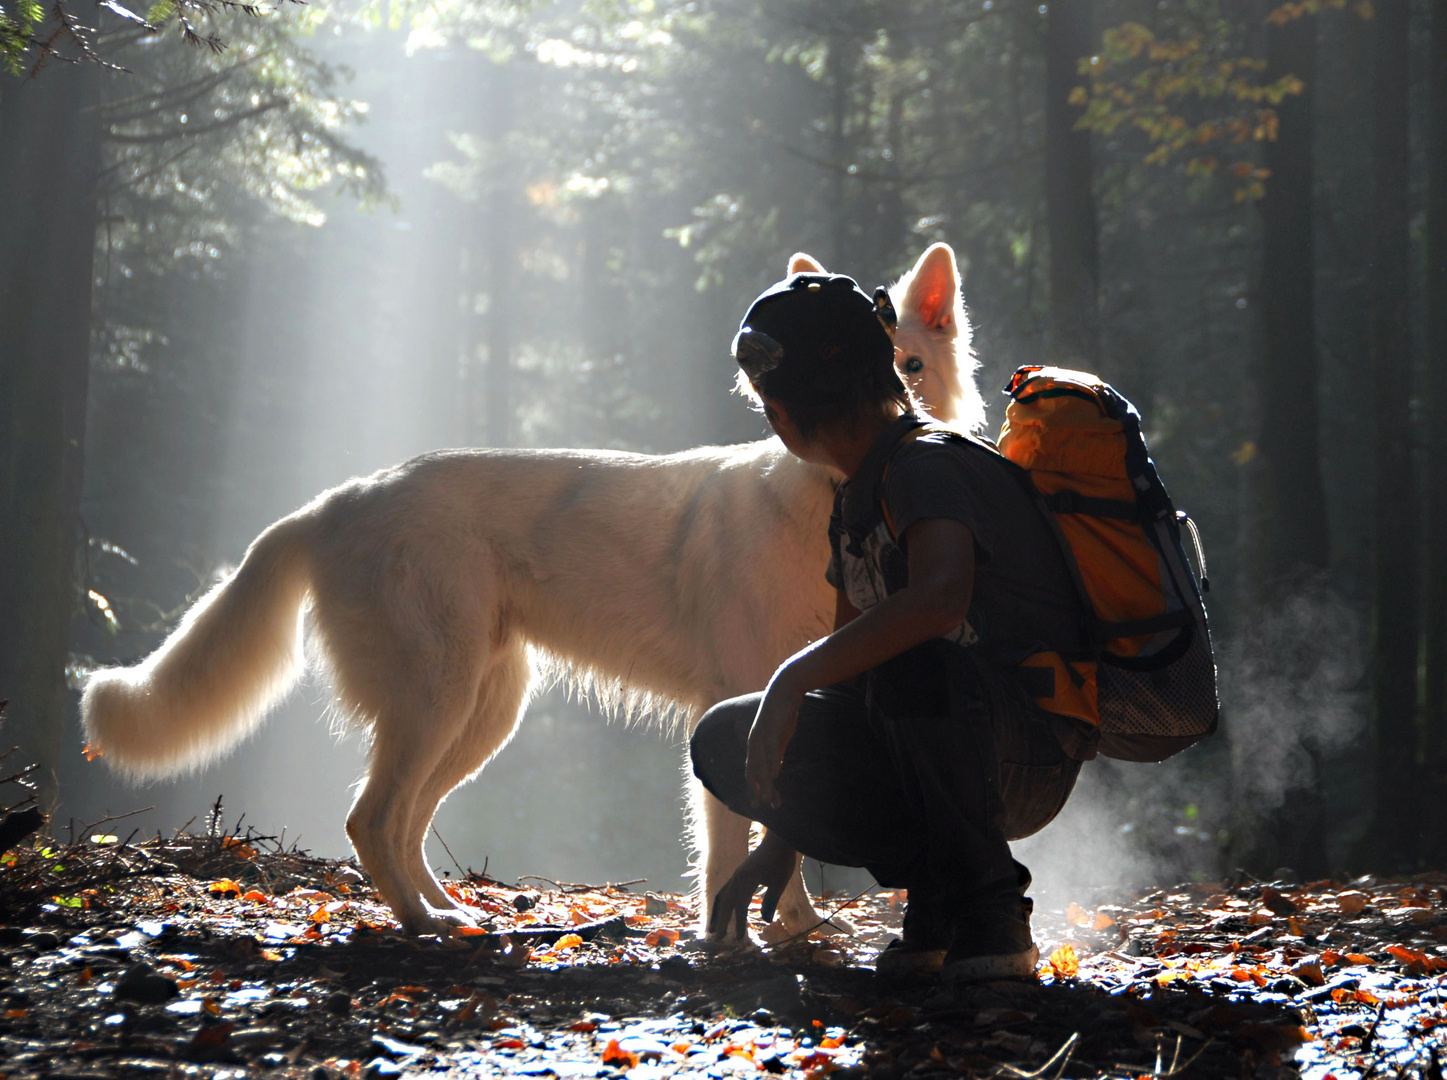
pixel 1395 580
pixel 50 129
pixel 1435 637
pixel 500 268
pixel 1292 539
pixel 1069 193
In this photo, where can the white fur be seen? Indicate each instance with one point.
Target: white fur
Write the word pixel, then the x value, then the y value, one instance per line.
pixel 675 580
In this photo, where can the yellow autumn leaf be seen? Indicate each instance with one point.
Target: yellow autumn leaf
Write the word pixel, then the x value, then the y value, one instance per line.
pixel 1064 963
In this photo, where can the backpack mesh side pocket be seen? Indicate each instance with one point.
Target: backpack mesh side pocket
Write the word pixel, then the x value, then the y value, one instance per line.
pixel 1149 714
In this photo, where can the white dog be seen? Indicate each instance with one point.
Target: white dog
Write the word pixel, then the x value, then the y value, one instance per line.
pixel 658 581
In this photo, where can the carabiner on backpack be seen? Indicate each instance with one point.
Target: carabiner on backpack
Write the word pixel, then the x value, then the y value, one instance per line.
pixel 1185 519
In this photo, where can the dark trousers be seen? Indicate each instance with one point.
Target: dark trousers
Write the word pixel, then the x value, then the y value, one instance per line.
pixel 920 771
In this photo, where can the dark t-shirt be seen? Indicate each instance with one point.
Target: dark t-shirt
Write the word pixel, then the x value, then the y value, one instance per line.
pixel 1024 600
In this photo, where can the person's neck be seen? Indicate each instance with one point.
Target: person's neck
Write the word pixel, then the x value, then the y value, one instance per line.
pixel 846 448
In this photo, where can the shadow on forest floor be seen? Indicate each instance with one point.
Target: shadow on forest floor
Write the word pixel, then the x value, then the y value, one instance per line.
pixel 194 954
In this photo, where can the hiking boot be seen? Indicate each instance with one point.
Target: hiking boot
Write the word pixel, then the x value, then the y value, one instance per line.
pixel 901 960
pixel 921 951
pixel 992 943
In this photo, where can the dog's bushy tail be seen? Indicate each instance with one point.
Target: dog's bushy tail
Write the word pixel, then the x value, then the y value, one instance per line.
pixel 236 652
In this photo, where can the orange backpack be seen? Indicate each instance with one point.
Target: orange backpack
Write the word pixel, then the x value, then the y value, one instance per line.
pixel 1148 679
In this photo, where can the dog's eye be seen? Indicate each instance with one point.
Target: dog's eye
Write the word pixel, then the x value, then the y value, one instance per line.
pixel 913 366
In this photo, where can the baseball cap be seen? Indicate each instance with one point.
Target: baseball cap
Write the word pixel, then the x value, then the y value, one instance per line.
pixel 812 333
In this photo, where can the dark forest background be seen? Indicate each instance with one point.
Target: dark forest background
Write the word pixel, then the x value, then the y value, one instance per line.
pixel 231 277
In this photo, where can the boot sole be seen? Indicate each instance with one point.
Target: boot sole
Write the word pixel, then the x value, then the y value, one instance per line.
pixel 980 968
pixel 911 963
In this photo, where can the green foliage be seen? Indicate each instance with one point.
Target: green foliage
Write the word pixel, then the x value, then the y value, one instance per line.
pixel 18 24
pixel 1199 104
pixel 32 36
pixel 1198 96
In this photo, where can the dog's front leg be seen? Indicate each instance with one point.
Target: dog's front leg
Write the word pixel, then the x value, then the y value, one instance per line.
pixel 799 916
pixel 721 840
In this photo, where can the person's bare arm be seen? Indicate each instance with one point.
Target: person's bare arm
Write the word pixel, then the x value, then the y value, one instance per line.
pixel 936 600
pixel 844 611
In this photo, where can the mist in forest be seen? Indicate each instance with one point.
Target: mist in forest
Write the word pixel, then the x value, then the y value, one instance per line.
pixel 351 237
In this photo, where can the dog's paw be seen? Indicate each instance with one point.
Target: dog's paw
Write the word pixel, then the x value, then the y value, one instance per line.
pixel 439 922
pixel 808 921
pixel 731 946
pixel 837 926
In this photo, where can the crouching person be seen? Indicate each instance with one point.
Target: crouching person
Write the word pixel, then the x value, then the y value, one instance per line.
pixel 903 742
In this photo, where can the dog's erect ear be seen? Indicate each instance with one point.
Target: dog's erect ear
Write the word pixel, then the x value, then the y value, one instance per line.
pixel 934 287
pixel 799 263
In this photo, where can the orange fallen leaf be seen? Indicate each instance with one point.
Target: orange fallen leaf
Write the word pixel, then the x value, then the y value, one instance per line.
pixel 661 937
pixel 818 1064
pixel 314 895
pixel 256 896
pixel 1102 921
pixel 567 942
pixel 583 1026
pixel 1309 972
pixel 224 887
pixel 1358 958
pixel 1418 963
pixel 1064 963
pixel 1075 915
pixel 238 846
pixel 510 1043
pixel 613 1054
pixel 470 931
pixel 16 1014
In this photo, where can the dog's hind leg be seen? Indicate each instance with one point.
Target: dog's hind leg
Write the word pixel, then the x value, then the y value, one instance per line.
pixel 499 708
pixel 404 754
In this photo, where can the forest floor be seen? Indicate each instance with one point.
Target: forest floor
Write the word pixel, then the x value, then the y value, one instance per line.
pixel 225 956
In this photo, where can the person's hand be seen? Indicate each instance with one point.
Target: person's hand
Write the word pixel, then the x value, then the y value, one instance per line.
pixel 774 726
pixel 771 865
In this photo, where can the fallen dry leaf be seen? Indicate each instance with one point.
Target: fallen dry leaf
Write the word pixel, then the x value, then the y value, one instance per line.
pixel 1064 963
pixel 1351 902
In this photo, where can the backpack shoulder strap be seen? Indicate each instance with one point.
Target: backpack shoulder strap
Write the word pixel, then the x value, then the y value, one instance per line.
pixel 913 434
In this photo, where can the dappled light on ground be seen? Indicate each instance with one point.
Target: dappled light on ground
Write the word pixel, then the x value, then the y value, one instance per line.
pixel 203 955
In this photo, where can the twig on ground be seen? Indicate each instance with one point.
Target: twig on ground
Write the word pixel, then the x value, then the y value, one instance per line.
pixel 1067 1048
pixel 460 871
pixel 1176 1070
pixel 574 887
pixel 1371 1034
pixel 827 920
pixel 86 829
